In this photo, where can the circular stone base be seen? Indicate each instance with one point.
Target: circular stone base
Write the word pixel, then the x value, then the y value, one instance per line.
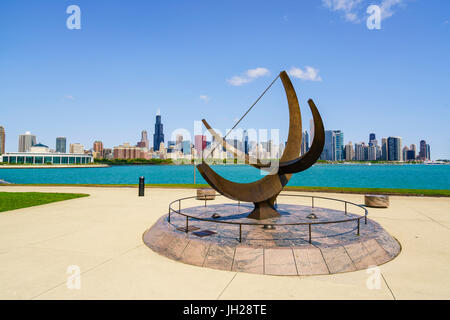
pixel 284 250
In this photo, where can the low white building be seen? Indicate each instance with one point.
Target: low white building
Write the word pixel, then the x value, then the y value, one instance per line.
pixel 46 158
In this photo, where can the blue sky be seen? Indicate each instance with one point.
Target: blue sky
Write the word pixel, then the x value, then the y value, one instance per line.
pixel 191 60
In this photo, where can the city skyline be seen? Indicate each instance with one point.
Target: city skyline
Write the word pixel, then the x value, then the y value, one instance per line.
pixel 335 149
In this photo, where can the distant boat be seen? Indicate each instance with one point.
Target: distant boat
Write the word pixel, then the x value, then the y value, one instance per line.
pixel 4 182
pixel 434 162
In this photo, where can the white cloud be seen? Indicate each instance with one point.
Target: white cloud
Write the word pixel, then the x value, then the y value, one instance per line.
pixel 344 5
pixel 69 97
pixel 347 7
pixel 352 17
pixel 309 74
pixel 205 98
pixel 248 76
pixel 238 81
pixel 258 72
pixel 355 10
pixel 388 6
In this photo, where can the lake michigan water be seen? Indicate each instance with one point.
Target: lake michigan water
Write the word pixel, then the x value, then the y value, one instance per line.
pixel 325 175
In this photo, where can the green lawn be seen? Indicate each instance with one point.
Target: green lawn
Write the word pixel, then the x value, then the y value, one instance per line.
pixel 17 200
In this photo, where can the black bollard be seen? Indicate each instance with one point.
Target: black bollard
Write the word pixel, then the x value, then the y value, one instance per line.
pixel 141 186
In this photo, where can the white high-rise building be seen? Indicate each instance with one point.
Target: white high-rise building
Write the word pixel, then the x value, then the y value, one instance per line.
pixel 349 152
pixel 372 152
pixel 26 141
pixel 76 148
pixel 359 151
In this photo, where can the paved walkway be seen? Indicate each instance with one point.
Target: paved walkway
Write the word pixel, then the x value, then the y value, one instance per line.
pixel 102 235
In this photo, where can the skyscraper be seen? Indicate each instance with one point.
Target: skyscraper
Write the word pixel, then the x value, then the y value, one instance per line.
pixel 410 155
pixel 384 150
pixel 394 145
pixel 412 148
pixel 349 152
pixel 61 144
pixel 144 143
pixel 338 145
pixel 372 140
pixel 423 150
pixel 305 142
pixel 311 129
pixel 158 136
pixel 428 152
pixel 98 149
pixel 334 145
pixel 405 153
pixel 246 146
pixel 76 148
pixel 2 140
pixel 372 152
pixel 359 151
pixel 26 141
pixel 186 145
pixel 200 144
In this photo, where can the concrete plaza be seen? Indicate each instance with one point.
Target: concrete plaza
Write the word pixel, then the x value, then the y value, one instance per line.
pixel 102 235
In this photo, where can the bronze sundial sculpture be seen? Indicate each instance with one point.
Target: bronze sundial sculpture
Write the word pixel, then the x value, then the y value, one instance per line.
pixel 264 192
pixel 174 237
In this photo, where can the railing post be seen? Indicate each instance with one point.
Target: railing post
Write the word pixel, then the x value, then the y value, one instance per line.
pixel 358 227
pixel 309 233
pixel 169 215
pixel 179 206
pixel 240 232
pixel 205 200
pixel 312 200
pixel 187 224
pixel 239 203
pixel 365 217
pixel 346 207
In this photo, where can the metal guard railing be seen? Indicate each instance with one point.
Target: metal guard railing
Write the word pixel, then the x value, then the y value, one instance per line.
pixel 358 219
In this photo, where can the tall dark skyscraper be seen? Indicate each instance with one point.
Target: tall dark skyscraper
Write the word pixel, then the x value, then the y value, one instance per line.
pixel 372 139
pixel 245 142
pixel 423 150
pixel 394 145
pixel 158 136
pixel 61 144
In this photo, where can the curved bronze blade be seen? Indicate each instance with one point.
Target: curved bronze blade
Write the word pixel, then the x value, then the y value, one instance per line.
pixel 257 191
pixel 308 159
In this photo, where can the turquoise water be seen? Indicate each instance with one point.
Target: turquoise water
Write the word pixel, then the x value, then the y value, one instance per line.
pixel 374 176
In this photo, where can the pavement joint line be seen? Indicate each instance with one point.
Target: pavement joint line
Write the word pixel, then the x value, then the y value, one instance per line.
pixel 235 274
pixel 390 290
pixel 52 238
pixel 295 262
pixel 86 271
pixel 234 255
pixel 432 220
pixel 353 262
pixel 321 253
